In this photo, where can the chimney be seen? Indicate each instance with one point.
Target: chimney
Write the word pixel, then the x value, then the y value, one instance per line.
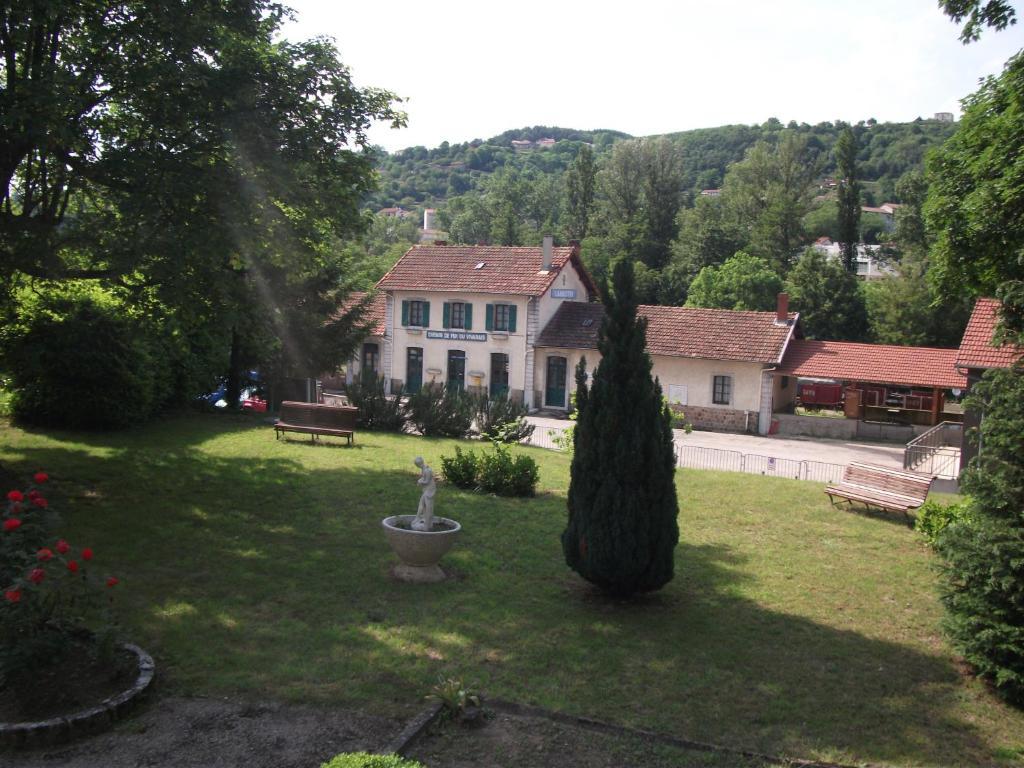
pixel 782 309
pixel 548 243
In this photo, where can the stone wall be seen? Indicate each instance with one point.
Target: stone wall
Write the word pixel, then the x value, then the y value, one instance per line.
pixel 720 419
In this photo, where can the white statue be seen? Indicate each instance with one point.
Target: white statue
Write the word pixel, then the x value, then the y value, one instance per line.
pixel 425 513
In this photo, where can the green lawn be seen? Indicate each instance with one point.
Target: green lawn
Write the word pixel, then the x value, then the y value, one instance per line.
pixel 250 564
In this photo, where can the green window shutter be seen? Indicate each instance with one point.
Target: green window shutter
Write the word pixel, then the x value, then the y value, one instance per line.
pixel 426 314
pixel 446 313
pixel 489 317
pixel 469 316
pixel 511 318
pixel 405 312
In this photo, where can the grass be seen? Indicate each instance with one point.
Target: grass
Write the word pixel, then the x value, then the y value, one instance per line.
pixel 255 565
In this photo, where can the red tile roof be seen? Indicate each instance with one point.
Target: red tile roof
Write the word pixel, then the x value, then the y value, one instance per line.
pixel 505 270
pixel 976 348
pixel 375 312
pixel 873 363
pixel 709 334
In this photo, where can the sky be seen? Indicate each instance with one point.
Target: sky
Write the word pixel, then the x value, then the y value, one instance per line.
pixel 473 70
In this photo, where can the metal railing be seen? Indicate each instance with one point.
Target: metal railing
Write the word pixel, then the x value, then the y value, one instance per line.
pixel 697 457
pixel 936 452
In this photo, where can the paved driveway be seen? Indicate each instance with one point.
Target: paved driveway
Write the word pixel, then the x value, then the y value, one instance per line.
pixel 811 449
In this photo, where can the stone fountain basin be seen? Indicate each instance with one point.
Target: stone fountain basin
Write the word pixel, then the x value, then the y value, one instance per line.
pixel 419 548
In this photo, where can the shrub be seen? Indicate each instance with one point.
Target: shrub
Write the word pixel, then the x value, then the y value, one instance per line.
pixel 501 474
pixel 501 418
pixel 82 364
pixel 366 760
pixel 933 518
pixel 377 410
pixel 460 469
pixel 438 412
pixel 50 601
pixel 494 472
pixel 622 529
pixel 983 569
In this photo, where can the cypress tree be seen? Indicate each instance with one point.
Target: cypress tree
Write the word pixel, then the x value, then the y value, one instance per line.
pixel 623 527
pixel 984 555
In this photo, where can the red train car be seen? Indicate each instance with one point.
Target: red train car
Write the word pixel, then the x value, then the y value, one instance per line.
pixel 819 394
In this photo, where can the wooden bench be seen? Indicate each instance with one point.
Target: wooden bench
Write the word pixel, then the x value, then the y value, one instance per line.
pixel 315 420
pixel 881 487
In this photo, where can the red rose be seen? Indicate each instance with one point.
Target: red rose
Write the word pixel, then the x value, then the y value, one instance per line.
pixel 13 595
pixel 11 523
pixel 87 554
pixel 63 547
pixel 40 477
pixel 73 566
pixel 40 502
pixel 112 581
pixel 37 575
pixel 33 494
pixel 44 554
pixel 15 496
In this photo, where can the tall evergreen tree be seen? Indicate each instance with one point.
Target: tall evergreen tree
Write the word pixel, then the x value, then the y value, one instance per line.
pixel 623 528
pixel 848 197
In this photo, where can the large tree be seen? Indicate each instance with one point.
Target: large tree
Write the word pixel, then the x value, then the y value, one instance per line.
pixel 769 193
pixel 187 159
pixel 579 188
pixel 848 197
pixel 828 298
pixel 976 196
pixel 742 282
pixel 622 530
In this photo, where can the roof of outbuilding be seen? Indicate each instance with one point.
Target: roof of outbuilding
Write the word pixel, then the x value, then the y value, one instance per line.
pixel 976 347
pixel 456 268
pixel 709 334
pixel 873 363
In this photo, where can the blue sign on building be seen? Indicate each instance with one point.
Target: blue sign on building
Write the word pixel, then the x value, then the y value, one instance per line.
pixel 563 293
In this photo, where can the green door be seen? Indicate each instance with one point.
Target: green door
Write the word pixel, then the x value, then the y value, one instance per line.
pixel 554 393
pixel 499 374
pixel 457 369
pixel 414 370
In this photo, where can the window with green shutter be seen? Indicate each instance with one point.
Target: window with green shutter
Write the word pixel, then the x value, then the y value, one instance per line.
pixel 415 314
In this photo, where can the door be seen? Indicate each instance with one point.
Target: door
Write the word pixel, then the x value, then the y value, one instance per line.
pixel 371 363
pixel 554 393
pixel 414 370
pixel 499 374
pixel 457 369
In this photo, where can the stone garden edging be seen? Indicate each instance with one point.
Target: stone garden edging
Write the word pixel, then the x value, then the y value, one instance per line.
pixel 100 717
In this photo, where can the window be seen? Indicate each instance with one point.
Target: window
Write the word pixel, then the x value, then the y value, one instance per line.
pixel 416 313
pixel 722 390
pixel 458 314
pixel 501 317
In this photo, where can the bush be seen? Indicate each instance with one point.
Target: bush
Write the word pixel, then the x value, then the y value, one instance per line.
pixel 495 472
pixel 501 418
pixel 82 364
pixel 438 412
pixel 933 518
pixel 501 474
pixel 50 600
pixel 366 760
pixel 460 469
pixel 377 410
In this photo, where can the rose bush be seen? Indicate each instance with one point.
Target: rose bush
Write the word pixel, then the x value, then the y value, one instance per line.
pixel 52 599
